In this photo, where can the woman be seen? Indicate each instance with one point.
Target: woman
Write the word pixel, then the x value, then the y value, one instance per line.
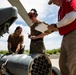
pixel 37 44
pixel 15 41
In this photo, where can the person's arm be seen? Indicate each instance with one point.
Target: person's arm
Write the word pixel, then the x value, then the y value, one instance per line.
pixel 39 36
pixel 18 48
pixel 68 18
pixel 9 48
pixel 20 44
pixel 9 44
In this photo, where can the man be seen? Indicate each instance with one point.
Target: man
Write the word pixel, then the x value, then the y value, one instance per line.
pixel 15 41
pixel 36 45
pixel 66 27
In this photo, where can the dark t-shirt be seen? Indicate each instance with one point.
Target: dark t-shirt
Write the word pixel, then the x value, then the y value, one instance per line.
pixel 14 41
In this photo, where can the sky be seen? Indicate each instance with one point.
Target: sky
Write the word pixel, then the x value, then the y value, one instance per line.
pixel 46 13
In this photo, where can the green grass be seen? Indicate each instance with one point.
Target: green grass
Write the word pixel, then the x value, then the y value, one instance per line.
pixel 50 52
pixel 54 51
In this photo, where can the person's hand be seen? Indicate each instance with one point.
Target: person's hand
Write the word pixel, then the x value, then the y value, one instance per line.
pixel 10 52
pixel 29 36
pixel 16 52
pixel 33 37
pixel 52 27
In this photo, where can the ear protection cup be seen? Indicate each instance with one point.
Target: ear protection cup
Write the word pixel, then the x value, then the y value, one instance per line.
pixel 35 12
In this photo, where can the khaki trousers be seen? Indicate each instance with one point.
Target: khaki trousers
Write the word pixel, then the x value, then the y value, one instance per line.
pixel 67 61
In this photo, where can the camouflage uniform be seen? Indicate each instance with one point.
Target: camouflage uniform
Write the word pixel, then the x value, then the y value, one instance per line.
pixel 37 45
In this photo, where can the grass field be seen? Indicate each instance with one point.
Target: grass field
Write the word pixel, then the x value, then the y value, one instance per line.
pixel 50 52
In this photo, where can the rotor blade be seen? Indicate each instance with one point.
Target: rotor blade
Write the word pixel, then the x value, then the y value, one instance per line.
pixel 21 11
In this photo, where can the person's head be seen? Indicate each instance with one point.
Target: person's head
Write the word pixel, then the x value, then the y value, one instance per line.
pixel 56 2
pixel 18 31
pixel 33 15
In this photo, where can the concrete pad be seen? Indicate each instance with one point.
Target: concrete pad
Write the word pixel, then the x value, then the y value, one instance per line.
pixel 54 60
